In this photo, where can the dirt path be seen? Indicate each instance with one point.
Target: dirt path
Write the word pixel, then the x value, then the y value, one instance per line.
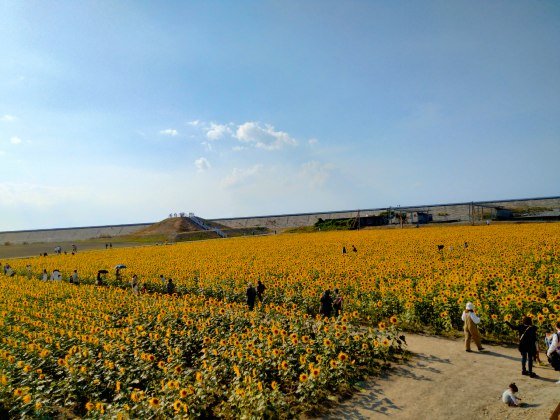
pixel 442 381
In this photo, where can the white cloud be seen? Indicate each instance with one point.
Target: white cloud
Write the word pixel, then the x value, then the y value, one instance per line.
pixel 202 164
pixel 263 136
pixel 8 118
pixel 217 131
pixel 316 173
pixel 194 123
pixel 15 140
pixel 240 175
pixel 169 132
pixel 2 153
pixel 312 142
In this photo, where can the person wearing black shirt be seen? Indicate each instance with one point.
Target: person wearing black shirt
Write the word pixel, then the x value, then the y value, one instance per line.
pixel 251 296
pixel 326 304
pixel 527 344
pixel 260 290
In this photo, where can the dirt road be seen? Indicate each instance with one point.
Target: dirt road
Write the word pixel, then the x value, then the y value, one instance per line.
pixel 442 381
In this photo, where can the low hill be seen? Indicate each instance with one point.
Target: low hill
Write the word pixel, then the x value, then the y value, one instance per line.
pixel 170 226
pixel 180 229
pixel 172 229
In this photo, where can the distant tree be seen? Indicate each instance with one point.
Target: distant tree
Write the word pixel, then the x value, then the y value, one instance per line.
pixel 182 214
pixel 402 218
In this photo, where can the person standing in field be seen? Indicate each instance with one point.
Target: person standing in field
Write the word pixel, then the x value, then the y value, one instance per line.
pixel 74 277
pixel 470 327
pixel 45 275
pixel 8 270
pixel 251 296
pixel 527 339
pixel 170 286
pixel 260 290
pixel 134 284
pixel 326 304
pixel 337 303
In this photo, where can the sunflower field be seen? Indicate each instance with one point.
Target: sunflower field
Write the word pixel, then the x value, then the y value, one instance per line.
pixel 104 351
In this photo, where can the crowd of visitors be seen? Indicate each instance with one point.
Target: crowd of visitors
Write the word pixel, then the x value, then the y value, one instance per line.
pixel 528 347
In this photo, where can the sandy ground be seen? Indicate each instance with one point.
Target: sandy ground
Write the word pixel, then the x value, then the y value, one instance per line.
pixel 442 381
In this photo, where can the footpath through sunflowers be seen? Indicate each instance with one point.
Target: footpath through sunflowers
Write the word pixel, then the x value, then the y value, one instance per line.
pixel 108 352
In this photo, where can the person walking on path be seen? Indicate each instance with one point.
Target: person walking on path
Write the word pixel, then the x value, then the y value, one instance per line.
pixel 527 338
pixel 251 296
pixel 326 304
pixel 260 290
pixel 537 355
pixel 470 327
pixel 553 351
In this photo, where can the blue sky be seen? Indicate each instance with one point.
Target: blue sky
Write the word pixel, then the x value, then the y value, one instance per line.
pixel 124 111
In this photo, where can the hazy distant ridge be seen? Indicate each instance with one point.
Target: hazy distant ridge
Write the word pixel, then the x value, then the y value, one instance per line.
pixel 440 212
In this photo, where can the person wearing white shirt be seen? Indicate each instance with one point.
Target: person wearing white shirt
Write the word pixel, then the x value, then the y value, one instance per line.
pixel 555 344
pixel 471 330
pixel 509 397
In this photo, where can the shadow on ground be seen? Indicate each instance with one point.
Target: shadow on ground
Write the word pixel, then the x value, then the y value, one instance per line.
pixel 503 356
pixel 373 401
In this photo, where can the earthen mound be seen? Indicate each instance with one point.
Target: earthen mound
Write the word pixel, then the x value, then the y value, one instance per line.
pixel 170 226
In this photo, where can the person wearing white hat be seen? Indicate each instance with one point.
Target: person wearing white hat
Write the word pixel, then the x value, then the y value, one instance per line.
pixel 471 330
